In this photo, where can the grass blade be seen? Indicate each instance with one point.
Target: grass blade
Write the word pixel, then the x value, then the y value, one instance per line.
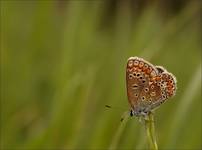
pixel 185 102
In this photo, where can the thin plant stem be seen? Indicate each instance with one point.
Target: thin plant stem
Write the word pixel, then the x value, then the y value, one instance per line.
pixel 117 136
pixel 150 129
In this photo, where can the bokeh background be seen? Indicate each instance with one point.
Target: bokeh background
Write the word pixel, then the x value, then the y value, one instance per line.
pixel 63 61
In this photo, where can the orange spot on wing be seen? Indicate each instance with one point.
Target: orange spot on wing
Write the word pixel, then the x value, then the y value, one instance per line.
pixel 158 78
pixel 148 71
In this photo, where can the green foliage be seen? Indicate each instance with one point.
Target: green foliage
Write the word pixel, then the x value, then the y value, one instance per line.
pixel 60 65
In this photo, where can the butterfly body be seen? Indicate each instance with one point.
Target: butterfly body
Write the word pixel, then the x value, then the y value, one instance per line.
pixel 148 86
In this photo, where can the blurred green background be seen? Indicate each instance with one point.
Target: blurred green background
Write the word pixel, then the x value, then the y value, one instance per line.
pixel 62 61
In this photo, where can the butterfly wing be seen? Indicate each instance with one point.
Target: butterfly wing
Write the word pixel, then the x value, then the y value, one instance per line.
pixel 147 86
pixel 138 75
pixel 162 87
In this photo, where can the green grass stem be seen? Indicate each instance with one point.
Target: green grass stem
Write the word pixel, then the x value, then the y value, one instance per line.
pixel 184 106
pixel 150 129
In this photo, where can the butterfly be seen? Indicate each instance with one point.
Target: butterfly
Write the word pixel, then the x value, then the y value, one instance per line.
pixel 148 86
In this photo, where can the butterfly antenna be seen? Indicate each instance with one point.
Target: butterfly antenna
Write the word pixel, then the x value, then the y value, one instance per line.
pixel 117 108
pixel 125 115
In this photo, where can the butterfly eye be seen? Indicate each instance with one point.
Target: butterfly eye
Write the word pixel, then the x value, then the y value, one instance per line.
pixel 131 113
pixel 152 86
pixel 138 74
